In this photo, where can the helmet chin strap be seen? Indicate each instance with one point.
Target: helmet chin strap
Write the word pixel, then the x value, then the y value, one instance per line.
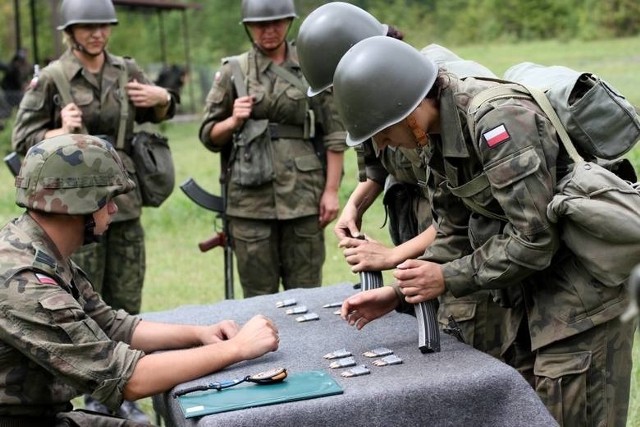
pixel 418 133
pixel 77 46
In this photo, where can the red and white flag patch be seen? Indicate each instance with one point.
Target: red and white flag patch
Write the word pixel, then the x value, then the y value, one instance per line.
pixel 496 136
pixel 45 280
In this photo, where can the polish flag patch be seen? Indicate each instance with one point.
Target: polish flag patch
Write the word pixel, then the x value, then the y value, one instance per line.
pixel 496 136
pixel 45 280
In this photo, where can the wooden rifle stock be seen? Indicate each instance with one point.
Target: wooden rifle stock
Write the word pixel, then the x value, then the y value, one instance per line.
pixel 218 239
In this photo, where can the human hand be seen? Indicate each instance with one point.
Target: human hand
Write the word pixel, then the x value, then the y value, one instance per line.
pixel 365 307
pixel 419 280
pixel 348 225
pixel 367 255
pixel 329 207
pixel 146 96
pixel 71 117
pixel 221 331
pixel 241 110
pixel 257 337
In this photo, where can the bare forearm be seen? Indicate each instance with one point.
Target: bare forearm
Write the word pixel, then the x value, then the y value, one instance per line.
pixel 159 372
pixel 413 248
pixel 335 162
pixel 364 194
pixel 152 336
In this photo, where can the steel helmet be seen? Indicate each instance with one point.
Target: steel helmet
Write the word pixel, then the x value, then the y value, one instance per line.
pixel 71 174
pixel 379 82
pixel 326 34
pixel 267 10
pixel 86 12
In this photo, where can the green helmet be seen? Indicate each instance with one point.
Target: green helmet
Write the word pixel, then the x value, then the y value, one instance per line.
pixel 379 82
pixel 71 174
pixel 267 10
pixel 86 12
pixel 326 34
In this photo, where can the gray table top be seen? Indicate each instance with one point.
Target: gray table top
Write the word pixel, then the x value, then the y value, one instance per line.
pixel 459 386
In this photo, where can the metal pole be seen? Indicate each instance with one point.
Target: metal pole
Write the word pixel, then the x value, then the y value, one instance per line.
pixel 187 59
pixel 34 32
pixel 163 42
pixel 16 9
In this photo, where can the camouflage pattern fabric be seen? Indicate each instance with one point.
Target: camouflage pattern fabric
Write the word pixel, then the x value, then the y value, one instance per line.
pixel 299 177
pixel 71 174
pixel 516 154
pixel 116 265
pixel 482 322
pixel 99 101
pixel 298 181
pixel 58 338
pixel 292 249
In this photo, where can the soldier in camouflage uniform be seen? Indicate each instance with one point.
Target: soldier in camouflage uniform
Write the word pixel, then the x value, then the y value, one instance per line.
pixel 58 337
pixel 325 35
pixel 116 265
pixel 277 227
pixel 570 342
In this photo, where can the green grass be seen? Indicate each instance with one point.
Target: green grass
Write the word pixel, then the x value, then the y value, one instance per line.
pixel 179 274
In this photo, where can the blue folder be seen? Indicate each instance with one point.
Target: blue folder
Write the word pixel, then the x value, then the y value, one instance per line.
pixel 297 386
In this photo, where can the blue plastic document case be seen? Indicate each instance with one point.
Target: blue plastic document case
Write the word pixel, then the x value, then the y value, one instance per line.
pixel 297 386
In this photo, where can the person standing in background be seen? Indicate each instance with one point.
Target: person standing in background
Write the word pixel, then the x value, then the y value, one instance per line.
pixel 115 264
pixel 278 207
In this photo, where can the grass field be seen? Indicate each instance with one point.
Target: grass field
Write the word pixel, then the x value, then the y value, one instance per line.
pixel 179 274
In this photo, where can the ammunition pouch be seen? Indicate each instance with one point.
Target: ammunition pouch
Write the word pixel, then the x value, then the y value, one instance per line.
pixel 251 157
pixel 154 167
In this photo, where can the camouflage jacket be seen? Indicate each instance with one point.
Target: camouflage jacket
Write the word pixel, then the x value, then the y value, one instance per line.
pixel 57 336
pixel 99 99
pixel 505 175
pixel 299 177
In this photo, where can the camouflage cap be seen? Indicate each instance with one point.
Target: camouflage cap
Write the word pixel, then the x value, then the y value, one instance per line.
pixel 71 174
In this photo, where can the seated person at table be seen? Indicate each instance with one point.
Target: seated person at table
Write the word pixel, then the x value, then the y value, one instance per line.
pixel 58 338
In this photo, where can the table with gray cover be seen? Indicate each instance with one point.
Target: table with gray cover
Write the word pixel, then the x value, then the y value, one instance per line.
pixel 458 386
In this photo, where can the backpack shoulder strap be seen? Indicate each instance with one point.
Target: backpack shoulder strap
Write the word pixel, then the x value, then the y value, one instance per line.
pixel 239 68
pixel 63 86
pixel 61 81
pixel 124 106
pixel 516 90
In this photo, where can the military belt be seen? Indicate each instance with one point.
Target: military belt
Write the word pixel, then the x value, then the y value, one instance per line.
pixel 25 421
pixel 279 130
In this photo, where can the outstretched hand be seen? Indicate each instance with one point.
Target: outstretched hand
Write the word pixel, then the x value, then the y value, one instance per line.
pixel 365 307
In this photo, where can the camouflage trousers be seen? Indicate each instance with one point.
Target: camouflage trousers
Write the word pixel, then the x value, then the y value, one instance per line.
pixel 80 418
pixel 482 322
pixel 76 418
pixel 583 380
pixel 116 265
pixel 270 250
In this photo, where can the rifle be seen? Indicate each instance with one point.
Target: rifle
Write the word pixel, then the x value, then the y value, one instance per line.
pixel 217 204
pixel 12 160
